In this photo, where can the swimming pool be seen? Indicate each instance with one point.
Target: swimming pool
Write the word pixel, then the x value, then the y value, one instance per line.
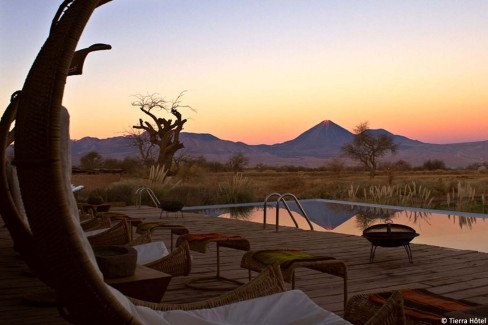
pixel 456 230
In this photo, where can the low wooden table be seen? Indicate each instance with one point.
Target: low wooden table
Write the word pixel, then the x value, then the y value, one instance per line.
pixel 146 284
pixel 200 242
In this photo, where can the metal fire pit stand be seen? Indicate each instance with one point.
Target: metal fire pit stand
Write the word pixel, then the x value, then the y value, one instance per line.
pixel 390 235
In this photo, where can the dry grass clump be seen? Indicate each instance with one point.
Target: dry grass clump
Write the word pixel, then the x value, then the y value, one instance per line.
pixel 195 194
pixel 157 174
pixel 412 195
pixel 237 189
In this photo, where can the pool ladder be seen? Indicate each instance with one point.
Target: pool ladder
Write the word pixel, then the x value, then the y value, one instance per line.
pixel 281 198
pixel 142 190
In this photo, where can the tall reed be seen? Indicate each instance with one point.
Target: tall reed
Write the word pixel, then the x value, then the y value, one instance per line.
pixel 407 195
pixel 237 189
pixel 157 174
pixel 461 195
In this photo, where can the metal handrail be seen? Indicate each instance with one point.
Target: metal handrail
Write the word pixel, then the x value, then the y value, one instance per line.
pixel 304 214
pixel 151 194
pixel 281 198
pixel 266 204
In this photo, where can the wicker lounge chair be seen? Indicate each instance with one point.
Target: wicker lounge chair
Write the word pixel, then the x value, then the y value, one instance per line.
pixel 290 260
pixel 64 252
pixel 92 223
pixel 152 254
pixel 412 306
pixel 391 313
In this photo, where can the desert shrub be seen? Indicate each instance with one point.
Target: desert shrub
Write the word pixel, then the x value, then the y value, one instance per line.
pixel 111 163
pixel 237 162
pixel 332 191
pixel 402 165
pixel 123 191
pixel 96 196
pixel 133 166
pixel 91 160
pixel 95 199
pixel 237 189
pixel 434 164
pixel 336 166
pixel 192 172
pixel 194 194
pixel 162 191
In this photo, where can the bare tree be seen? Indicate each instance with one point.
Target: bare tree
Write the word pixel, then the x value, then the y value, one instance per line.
pixel 237 162
pixel 162 133
pixel 146 150
pixel 91 160
pixel 367 147
pixel 336 166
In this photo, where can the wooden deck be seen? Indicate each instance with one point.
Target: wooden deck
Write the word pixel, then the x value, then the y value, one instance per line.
pixel 454 273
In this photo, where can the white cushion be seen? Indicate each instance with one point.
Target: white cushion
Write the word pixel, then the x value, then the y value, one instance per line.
pixel 76 188
pixel 95 232
pixel 287 308
pixel 150 252
pixel 146 253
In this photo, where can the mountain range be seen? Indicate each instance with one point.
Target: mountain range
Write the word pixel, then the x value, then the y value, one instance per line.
pixel 313 148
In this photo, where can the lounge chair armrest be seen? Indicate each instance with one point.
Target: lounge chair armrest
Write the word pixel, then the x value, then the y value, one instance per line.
pixel 176 263
pixel 268 282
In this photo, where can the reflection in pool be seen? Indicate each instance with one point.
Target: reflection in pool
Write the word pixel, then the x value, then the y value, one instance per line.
pixel 442 228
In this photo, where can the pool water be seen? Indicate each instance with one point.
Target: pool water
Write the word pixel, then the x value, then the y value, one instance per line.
pixel 441 228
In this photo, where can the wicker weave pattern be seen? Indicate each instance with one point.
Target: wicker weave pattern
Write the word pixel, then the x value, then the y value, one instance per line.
pixel 333 266
pixel 19 231
pixel 268 282
pixel 118 234
pixel 176 263
pixel 360 310
pixel 330 266
pixel 96 223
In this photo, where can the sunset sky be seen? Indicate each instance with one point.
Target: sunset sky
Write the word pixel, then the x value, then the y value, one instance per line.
pixel 266 71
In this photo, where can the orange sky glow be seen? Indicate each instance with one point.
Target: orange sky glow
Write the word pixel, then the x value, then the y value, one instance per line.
pixel 265 72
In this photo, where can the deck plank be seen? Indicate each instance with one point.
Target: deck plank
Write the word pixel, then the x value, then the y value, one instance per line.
pixel 455 273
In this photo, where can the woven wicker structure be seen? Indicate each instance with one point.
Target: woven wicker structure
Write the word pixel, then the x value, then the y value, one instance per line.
pixel 11 213
pixel 45 185
pixel 419 306
pixel 326 265
pixel 359 311
pixel 95 223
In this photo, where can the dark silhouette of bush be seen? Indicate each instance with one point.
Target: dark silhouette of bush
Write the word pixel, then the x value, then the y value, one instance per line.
pixel 434 164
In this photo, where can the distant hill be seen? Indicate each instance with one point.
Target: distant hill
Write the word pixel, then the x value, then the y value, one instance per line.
pixel 312 148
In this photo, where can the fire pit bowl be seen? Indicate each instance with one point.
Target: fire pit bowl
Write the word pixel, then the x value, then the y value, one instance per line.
pixel 171 206
pixel 390 235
